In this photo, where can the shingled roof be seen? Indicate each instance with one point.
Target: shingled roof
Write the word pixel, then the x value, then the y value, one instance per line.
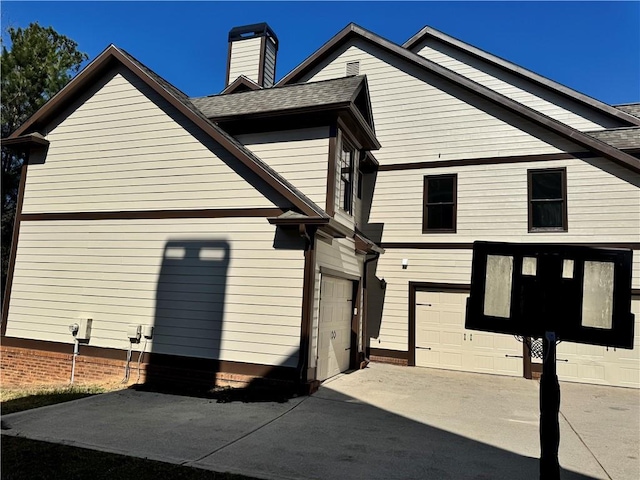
pixel 630 108
pixel 324 94
pixel 622 138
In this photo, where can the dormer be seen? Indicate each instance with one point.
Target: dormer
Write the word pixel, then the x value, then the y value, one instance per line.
pixel 317 135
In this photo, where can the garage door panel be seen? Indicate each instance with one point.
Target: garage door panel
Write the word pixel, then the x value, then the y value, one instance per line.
pixel 440 328
pixel 628 376
pixel 334 336
pixel 451 339
pixel 601 365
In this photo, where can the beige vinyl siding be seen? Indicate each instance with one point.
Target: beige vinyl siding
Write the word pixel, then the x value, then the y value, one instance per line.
pixel 603 206
pixel 441 266
pixel 517 88
pixel 300 156
pixel 242 305
pixel 416 113
pixel 270 63
pixel 120 150
pixel 338 256
pixel 245 59
pixel 603 203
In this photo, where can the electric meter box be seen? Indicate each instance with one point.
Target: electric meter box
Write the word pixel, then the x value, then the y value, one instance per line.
pixel 84 329
pixel 133 332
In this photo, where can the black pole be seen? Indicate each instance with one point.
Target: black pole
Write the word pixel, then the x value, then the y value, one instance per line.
pixel 549 411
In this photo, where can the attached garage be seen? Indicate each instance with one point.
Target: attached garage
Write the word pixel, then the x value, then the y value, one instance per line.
pixel 602 365
pixel 441 341
pixel 334 328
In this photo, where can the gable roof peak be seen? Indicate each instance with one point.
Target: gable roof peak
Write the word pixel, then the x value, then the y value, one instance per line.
pixel 428 32
pixel 113 56
pixel 472 86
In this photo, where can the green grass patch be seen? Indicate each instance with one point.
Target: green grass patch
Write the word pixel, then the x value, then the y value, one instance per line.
pixel 17 400
pixel 24 459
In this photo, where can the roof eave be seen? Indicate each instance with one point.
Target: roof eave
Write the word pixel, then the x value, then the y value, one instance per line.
pixel 553 125
pixel 429 32
pixel 25 142
pixel 103 62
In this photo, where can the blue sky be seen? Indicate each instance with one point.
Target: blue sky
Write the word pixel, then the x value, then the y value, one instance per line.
pixel 593 47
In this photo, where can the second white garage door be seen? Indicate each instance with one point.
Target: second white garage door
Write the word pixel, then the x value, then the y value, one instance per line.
pixel 443 342
pixel 602 365
pixel 334 334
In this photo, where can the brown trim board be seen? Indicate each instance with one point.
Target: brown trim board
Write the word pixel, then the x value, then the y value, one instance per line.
pixel 565 216
pixel 238 82
pixel 308 295
pixel 113 54
pixel 425 286
pixel 261 60
pixel 331 171
pixel 14 248
pixel 565 131
pixel 485 161
pixel 158 359
pixel 226 83
pixel 469 246
pixel 156 214
pixel 518 71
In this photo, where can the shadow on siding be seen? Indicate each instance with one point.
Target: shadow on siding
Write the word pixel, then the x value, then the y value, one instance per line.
pixel 189 313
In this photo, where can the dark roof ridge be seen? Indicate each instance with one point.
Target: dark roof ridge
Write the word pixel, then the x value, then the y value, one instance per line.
pixel 629 104
pixel 518 70
pixel 532 115
pixel 287 85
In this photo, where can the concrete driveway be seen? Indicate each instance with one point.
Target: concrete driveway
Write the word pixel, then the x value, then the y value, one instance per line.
pixel 384 422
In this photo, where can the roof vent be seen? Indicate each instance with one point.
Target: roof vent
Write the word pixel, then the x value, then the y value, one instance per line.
pixel 353 68
pixel 252 53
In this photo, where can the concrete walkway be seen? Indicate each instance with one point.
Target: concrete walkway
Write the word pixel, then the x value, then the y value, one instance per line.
pixel 384 422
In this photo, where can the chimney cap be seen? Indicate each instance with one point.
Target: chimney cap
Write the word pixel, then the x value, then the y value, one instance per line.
pixel 251 31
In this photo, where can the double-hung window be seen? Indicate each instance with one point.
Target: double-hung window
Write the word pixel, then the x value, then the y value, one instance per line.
pixel 439 204
pixel 547 200
pixel 345 170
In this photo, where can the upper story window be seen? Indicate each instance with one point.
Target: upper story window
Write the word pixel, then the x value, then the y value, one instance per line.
pixel 439 204
pixel 547 200
pixel 345 169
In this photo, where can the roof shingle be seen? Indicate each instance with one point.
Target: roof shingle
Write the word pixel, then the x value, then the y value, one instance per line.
pixel 622 138
pixel 631 108
pixel 288 97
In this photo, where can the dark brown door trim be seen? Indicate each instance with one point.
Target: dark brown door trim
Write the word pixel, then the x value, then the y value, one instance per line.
pixel 426 287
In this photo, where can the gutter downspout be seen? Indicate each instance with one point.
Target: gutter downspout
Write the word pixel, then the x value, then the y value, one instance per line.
pixel 365 317
pixel 308 234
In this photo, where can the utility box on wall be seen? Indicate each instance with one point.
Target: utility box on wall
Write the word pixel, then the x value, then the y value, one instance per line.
pixel 84 330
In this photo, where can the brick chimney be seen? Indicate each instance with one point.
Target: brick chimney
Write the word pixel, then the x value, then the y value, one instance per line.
pixel 252 53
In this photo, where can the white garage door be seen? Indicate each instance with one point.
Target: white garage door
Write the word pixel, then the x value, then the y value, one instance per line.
pixel 602 365
pixel 334 334
pixel 443 342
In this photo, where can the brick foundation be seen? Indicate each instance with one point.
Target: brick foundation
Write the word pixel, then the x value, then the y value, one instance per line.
pixel 21 367
pixel 24 367
pixel 393 361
